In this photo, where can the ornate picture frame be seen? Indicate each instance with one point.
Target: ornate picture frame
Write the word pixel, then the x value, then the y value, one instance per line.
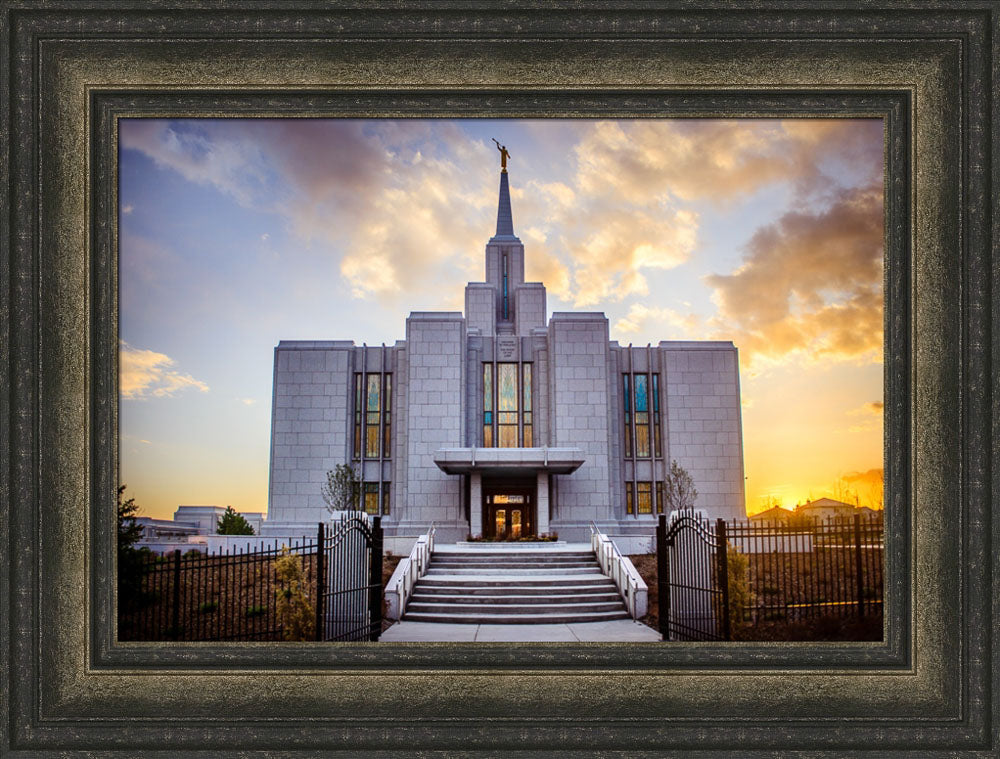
pixel 72 69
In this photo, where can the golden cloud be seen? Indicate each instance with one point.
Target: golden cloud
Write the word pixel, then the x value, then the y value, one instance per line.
pixel 147 374
pixel 663 321
pixel 809 285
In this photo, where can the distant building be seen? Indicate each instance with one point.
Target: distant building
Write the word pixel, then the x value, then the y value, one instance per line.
pixel 825 508
pixel 774 514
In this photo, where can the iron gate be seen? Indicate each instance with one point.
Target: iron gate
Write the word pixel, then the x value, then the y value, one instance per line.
pixel 349 578
pixel 692 575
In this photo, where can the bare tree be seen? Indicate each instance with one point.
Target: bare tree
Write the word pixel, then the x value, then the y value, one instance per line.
pixel 678 489
pixel 340 491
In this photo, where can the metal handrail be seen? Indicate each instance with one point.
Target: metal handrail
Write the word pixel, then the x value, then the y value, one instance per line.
pixel 613 565
pixel 415 566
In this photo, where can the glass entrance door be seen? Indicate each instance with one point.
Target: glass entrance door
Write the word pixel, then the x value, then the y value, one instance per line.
pixel 509 515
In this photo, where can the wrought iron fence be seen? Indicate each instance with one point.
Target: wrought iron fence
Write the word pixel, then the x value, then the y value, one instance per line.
pixel 818 569
pixel 793 572
pixel 234 596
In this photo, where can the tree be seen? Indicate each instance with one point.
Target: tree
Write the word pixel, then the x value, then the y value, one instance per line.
pixel 129 531
pixel 129 559
pixel 678 489
pixel 340 491
pixel 233 523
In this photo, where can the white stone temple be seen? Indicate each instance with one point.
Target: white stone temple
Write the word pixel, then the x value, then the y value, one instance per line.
pixel 502 423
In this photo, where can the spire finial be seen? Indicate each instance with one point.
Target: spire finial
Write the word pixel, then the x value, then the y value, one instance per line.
pixel 504 155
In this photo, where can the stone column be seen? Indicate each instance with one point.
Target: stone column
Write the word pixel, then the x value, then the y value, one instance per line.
pixel 476 503
pixel 542 499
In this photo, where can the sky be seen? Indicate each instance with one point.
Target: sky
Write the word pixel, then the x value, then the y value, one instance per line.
pixel 237 233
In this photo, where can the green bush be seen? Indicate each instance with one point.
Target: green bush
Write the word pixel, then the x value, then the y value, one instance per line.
pixel 256 611
pixel 208 607
pixel 740 597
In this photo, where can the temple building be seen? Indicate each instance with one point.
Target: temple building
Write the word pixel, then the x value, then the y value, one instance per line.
pixel 504 423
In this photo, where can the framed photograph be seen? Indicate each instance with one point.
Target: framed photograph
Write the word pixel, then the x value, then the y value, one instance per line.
pixel 79 76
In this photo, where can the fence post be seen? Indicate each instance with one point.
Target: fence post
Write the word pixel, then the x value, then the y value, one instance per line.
pixel 375 581
pixel 857 565
pixel 320 584
pixel 662 577
pixel 723 561
pixel 175 629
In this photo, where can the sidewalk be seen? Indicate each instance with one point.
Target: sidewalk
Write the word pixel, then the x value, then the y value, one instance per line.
pixel 617 631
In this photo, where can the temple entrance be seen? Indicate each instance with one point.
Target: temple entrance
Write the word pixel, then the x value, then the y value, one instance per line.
pixel 508 510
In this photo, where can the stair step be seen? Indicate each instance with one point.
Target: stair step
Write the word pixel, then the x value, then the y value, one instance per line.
pixel 488 581
pixel 503 570
pixel 417 607
pixel 522 590
pixel 516 619
pixel 550 558
pixel 435 598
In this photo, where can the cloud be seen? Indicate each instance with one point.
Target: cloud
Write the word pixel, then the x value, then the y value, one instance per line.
pixel 404 207
pixel 872 417
pixel 147 374
pixel 247 401
pixel 127 209
pixel 872 407
pixel 672 325
pixel 809 285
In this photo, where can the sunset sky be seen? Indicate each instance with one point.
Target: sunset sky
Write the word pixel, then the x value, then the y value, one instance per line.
pixel 236 234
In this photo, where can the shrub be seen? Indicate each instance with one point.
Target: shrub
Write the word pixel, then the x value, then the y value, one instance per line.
pixel 207 607
pixel 295 611
pixel 233 523
pixel 256 611
pixel 740 597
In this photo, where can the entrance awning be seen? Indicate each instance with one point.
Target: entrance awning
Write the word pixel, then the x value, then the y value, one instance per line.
pixel 508 460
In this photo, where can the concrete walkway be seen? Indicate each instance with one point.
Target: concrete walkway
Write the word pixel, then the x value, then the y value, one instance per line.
pixel 616 631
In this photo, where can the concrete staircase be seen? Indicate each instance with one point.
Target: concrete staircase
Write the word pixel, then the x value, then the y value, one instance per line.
pixel 520 586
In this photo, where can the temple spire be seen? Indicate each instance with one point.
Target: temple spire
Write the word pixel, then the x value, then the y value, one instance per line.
pixel 505 221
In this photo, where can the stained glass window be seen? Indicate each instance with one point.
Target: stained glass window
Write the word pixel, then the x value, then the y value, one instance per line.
pixel 372 405
pixel 526 371
pixel 641 416
pixel 627 394
pixel 373 408
pixel 357 416
pixel 371 497
pixel 488 405
pixel 387 418
pixel 629 508
pixel 507 405
pixel 385 498
pixel 656 416
pixel 644 497
pixel 659 496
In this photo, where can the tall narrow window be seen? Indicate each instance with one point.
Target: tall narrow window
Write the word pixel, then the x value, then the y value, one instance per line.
pixel 528 437
pixel 629 506
pixel 505 286
pixel 656 416
pixel 627 394
pixel 371 498
pixel 387 417
pixel 488 405
pixel 644 497
pixel 641 416
pixel 385 498
pixel 373 407
pixel 357 415
pixel 507 406
pixel 659 497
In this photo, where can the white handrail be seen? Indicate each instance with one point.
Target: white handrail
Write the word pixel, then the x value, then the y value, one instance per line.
pixel 629 582
pixel 411 569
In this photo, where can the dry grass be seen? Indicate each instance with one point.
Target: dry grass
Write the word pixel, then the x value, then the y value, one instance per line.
pixel 827 627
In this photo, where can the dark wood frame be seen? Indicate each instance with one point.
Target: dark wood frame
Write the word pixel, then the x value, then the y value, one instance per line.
pixel 70 69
